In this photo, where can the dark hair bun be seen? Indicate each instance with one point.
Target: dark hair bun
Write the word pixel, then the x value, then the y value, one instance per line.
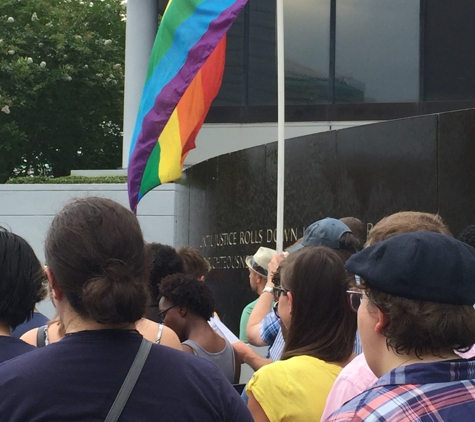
pixel 96 252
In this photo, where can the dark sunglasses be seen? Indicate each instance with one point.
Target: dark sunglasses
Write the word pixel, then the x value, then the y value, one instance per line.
pixel 162 314
pixel 278 291
pixel 275 307
pixel 355 298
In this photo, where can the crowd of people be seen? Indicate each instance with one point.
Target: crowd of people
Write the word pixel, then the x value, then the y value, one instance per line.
pixel 359 326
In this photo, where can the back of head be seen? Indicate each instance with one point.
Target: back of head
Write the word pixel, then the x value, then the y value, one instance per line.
pixel 423 282
pixel 194 264
pixel 406 222
pixel 165 261
pixel 22 279
pixel 322 324
pixel 186 291
pixel 357 228
pixel 468 235
pixel 331 233
pixel 96 253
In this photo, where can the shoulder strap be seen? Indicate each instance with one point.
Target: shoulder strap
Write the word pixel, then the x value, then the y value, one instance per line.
pixel 41 336
pixel 159 334
pixel 129 382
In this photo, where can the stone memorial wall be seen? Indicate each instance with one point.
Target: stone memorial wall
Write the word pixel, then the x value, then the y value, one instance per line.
pixel 226 206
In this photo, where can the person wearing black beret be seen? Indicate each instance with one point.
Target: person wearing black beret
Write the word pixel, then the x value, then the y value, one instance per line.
pixel 415 308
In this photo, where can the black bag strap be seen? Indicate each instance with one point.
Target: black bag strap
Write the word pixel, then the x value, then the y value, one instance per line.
pixel 129 382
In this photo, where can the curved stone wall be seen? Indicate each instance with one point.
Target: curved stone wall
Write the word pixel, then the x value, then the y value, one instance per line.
pixel 227 205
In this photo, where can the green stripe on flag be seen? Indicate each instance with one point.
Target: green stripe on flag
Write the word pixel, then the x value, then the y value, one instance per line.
pixel 150 177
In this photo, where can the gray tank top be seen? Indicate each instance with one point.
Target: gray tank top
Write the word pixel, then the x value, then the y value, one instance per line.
pixel 224 359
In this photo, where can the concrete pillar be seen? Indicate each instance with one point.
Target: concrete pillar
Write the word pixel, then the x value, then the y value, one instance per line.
pixel 141 28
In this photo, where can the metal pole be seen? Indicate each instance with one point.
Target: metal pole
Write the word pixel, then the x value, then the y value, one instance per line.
pixel 280 124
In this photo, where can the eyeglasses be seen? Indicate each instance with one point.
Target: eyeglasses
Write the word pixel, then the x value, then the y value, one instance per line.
pixel 278 291
pixel 162 314
pixel 355 298
pixel 275 308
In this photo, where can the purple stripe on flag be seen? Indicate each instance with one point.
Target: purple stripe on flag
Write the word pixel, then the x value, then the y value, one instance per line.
pixel 156 119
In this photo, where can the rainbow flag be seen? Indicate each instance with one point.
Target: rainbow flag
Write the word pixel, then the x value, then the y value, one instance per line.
pixel 184 76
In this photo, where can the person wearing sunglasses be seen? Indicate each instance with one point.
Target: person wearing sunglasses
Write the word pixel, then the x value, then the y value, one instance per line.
pixel 186 304
pixel 416 311
pixel 312 305
pixel 357 376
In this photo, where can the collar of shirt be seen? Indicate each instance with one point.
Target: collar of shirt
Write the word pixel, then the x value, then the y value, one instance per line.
pixel 429 372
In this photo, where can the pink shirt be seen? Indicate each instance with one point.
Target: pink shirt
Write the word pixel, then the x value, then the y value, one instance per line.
pixel 352 380
pixel 468 354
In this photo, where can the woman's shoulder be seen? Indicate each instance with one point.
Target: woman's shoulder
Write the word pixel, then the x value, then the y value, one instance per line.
pixel 170 339
pixel 150 330
pixel 30 336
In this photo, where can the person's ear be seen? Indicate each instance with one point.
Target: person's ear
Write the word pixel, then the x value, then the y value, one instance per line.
pixel 290 301
pixel 57 292
pixel 182 311
pixel 382 321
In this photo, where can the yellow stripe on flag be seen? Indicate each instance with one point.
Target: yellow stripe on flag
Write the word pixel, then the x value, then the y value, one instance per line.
pixel 169 168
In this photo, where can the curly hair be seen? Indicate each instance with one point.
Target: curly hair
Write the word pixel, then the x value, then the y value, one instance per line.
pixel 424 327
pixel 468 235
pixel 186 291
pixel 165 261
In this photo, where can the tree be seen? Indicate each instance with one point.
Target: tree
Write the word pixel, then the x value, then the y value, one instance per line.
pixel 61 86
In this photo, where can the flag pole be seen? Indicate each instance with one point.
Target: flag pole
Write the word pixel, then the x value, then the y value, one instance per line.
pixel 280 124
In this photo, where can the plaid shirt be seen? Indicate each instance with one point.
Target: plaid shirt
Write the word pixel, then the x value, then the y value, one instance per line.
pixel 424 392
pixel 271 334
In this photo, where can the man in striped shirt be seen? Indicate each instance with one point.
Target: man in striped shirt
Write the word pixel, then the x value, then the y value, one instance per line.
pixel 415 309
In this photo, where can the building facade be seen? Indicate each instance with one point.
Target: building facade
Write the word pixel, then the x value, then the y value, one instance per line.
pixel 348 62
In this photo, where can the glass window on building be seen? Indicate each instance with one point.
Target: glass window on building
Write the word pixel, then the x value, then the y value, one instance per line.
pixel 307 51
pixel 262 60
pixel 307 40
pixel 377 51
pixel 232 91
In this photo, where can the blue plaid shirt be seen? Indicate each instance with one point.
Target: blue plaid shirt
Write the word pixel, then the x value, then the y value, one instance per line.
pixel 271 334
pixel 422 392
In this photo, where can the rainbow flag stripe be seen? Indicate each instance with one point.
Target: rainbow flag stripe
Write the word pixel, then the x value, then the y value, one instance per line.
pixel 183 78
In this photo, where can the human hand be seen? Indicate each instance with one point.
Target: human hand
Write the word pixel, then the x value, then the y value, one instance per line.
pixel 272 267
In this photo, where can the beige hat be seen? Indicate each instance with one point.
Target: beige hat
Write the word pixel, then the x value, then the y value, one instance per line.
pixel 260 260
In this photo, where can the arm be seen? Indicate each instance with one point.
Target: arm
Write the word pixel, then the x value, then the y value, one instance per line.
pixel 256 409
pixel 249 356
pixel 243 323
pixel 237 367
pixel 263 306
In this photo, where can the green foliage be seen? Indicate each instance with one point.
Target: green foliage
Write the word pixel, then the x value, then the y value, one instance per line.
pixel 61 86
pixel 71 180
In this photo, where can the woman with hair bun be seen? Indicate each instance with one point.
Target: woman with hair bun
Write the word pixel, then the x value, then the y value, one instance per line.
pixel 98 271
pixel 22 283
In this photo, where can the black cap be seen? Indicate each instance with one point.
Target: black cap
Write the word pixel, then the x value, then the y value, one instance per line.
pixel 425 266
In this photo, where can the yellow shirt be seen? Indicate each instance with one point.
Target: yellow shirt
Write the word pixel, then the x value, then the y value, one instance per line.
pixel 294 389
